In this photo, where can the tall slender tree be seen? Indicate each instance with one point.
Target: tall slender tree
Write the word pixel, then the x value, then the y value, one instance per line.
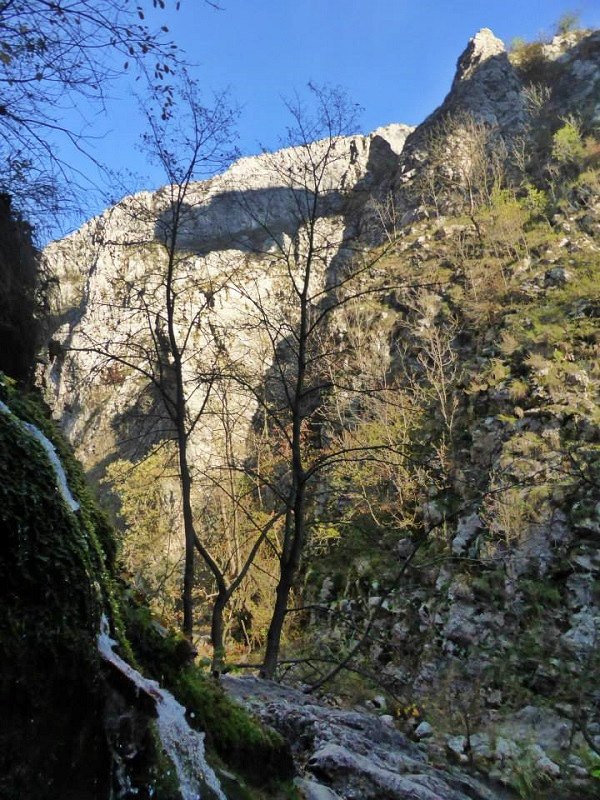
pixel 159 330
pixel 316 267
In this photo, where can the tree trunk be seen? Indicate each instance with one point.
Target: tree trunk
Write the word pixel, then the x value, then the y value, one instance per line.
pixel 217 634
pixel 290 562
pixel 190 537
pixel 277 619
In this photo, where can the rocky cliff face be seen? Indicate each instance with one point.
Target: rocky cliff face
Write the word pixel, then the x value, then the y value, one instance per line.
pixel 229 224
pixel 492 633
pixel 486 85
pixel 226 218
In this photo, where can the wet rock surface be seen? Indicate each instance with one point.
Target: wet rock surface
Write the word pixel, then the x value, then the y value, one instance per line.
pixel 354 755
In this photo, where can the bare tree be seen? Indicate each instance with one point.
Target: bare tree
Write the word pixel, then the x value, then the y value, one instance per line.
pixel 165 331
pixel 59 56
pixel 158 330
pixel 315 268
pixel 464 160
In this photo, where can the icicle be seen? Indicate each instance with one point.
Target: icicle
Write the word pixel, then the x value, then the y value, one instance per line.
pixel 184 746
pixel 61 478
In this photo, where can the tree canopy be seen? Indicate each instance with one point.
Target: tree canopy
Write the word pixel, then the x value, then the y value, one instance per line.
pixel 55 56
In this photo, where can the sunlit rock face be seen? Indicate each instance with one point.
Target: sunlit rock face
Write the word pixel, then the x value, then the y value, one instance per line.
pixel 486 83
pixel 230 229
pixel 486 89
pixel 577 87
pixel 110 277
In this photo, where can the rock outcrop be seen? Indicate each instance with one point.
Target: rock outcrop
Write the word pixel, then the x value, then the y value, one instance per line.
pixel 501 617
pixel 353 755
pixel 228 225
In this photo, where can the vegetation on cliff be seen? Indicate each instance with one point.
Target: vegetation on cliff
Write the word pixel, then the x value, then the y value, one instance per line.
pixel 65 721
pixel 405 428
pixel 54 586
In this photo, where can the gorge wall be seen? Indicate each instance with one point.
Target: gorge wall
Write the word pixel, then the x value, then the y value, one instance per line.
pixel 488 333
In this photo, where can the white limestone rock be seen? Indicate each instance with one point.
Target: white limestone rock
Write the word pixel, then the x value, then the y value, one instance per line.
pixel 424 730
pixel 102 268
pixel 311 790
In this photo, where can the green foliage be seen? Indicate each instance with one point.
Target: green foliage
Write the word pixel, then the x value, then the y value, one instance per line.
pixel 160 651
pixel 567 144
pixel 100 535
pixel 151 546
pixel 259 753
pixel 54 583
pixel 530 60
pixel 504 219
pixel 45 546
pixel 535 202
pixel 518 389
pixel 540 594
pixel 528 779
pixel 591 760
pixel 568 22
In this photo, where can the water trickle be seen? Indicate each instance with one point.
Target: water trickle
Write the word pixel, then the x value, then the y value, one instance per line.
pixel 183 745
pixel 59 472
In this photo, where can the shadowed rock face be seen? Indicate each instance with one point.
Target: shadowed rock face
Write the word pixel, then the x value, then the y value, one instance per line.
pixel 226 223
pixel 239 214
pixel 486 86
pixel 18 280
pixel 243 211
pixel 347 754
pixel 491 88
pixel 227 218
pixel 576 89
pixel 224 229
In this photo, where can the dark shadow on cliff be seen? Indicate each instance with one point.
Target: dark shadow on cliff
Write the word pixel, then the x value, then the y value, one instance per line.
pixel 248 220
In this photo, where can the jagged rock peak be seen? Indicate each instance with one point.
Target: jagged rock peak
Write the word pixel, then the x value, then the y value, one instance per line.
pixel 482 46
pixel 486 85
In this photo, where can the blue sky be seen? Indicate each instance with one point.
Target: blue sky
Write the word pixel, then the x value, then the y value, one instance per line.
pixel 395 58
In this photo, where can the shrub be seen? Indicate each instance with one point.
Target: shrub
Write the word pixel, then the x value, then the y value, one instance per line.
pixel 568 22
pixel 567 144
pixel 535 201
pixel 530 60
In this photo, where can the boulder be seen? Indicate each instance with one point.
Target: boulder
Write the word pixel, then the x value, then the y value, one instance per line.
pixel 352 755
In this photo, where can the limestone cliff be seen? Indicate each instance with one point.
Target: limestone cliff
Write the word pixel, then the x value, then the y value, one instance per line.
pixel 487 220
pixel 225 228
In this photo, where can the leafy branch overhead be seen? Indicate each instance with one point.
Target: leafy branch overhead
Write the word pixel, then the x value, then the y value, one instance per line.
pixel 59 56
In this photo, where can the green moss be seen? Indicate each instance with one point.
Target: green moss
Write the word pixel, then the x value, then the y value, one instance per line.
pixel 53 587
pixel 259 754
pixel 160 653
pixel 540 595
pixel 56 579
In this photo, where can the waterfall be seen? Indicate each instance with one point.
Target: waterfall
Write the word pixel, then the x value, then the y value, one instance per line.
pixel 183 745
pixel 59 472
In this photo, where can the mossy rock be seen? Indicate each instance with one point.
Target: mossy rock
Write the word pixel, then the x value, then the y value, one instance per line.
pixel 261 755
pixel 258 753
pixel 52 582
